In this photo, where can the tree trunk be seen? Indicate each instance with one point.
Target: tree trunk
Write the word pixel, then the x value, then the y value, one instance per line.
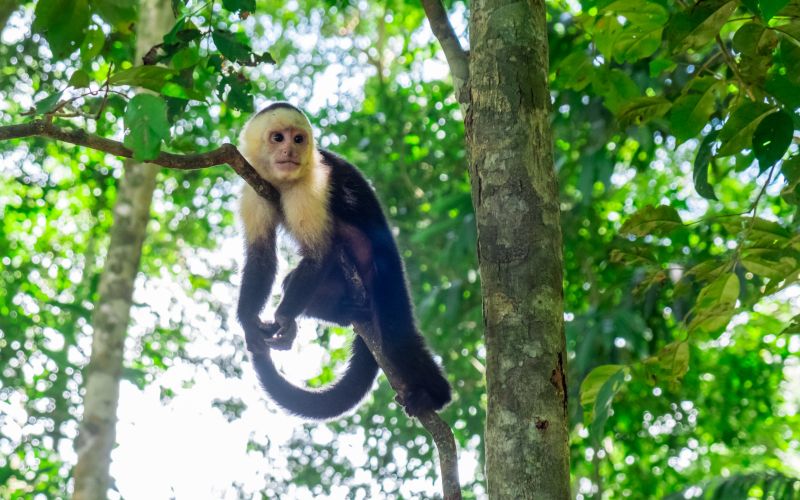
pixel 97 433
pixel 515 194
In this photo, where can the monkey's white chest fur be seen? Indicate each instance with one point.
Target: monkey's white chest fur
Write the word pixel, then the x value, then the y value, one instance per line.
pixel 305 214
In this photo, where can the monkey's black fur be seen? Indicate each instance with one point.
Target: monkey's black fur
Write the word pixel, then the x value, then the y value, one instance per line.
pixel 321 290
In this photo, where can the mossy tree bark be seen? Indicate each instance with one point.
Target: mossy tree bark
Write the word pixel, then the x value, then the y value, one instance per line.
pixel 97 432
pixel 515 195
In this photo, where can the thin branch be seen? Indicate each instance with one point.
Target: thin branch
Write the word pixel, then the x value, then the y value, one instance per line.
pixel 438 429
pixel 456 56
pixel 729 59
pixel 225 154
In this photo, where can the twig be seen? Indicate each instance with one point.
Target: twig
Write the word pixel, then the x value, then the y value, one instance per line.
pixel 456 56
pixel 225 154
pixel 734 67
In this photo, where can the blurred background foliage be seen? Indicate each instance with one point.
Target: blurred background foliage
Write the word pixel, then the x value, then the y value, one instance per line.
pixel 674 123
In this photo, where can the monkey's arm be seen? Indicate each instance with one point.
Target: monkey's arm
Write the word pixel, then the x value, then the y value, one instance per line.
pixel 298 291
pixel 257 278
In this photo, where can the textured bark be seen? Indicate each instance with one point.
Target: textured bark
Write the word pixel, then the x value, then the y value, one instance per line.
pixel 515 195
pixel 97 433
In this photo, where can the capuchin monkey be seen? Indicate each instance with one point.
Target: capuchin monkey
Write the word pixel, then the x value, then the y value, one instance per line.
pixel 329 209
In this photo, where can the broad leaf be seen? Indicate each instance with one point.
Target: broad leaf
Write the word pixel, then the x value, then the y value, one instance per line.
pixel 660 220
pixel 701 165
pixel 783 89
pixel 117 12
pixel 755 39
pixel 771 7
pixel 79 79
pixel 48 104
pixel 92 44
pixel 643 109
pixel 691 111
pixel 616 87
pixel 142 76
pixel 597 393
pixel 737 133
pixel 669 365
pixel 698 25
pixel 62 22
pixel 230 47
pixel 715 305
pixel 239 5
pixel 575 71
pixel 146 125
pixel 772 138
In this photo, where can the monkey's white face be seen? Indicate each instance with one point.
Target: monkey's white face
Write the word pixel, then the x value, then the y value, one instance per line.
pixel 279 145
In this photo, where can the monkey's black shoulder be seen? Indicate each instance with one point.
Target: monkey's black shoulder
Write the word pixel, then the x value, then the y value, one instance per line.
pixel 352 197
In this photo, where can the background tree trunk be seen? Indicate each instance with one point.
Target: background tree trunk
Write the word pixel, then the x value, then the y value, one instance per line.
pixel 515 194
pixel 97 432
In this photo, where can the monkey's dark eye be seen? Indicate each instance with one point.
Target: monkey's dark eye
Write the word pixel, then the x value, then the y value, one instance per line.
pixel 298 139
pixel 277 137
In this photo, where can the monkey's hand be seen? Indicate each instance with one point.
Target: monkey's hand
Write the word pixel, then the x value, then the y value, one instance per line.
pixel 256 334
pixel 280 334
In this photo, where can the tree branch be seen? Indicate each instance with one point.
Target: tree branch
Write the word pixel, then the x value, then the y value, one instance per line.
pixel 456 56
pixel 436 427
pixel 225 154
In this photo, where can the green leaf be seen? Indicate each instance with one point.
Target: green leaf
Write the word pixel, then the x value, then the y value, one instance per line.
pixel 789 56
pixel 185 58
pixel 643 109
pixel 771 7
pixel 575 71
pixel 737 133
pixel 698 25
pixel 774 265
pixel 239 5
pixel 590 387
pixel 48 104
pixel 230 47
pixel 659 221
pixel 793 327
pixel 755 39
pixel 597 393
pixel 79 79
pixel 62 22
pixel 184 31
pixel 117 12
pixel 149 77
pixel 640 36
pixel 92 44
pixel 616 88
pixel 239 94
pixel 669 365
pixel 661 65
pixel 691 111
pixel 790 168
pixel 715 305
pixel 772 138
pixel 783 89
pixel 701 165
pixel 146 125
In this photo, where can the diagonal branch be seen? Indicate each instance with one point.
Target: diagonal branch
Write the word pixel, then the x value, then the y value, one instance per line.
pixel 438 429
pixel 457 57
pixel 225 154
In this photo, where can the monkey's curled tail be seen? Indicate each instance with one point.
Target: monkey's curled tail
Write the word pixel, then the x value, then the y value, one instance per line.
pixel 322 404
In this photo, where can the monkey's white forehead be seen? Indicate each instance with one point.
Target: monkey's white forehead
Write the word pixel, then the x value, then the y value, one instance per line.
pixel 277 119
